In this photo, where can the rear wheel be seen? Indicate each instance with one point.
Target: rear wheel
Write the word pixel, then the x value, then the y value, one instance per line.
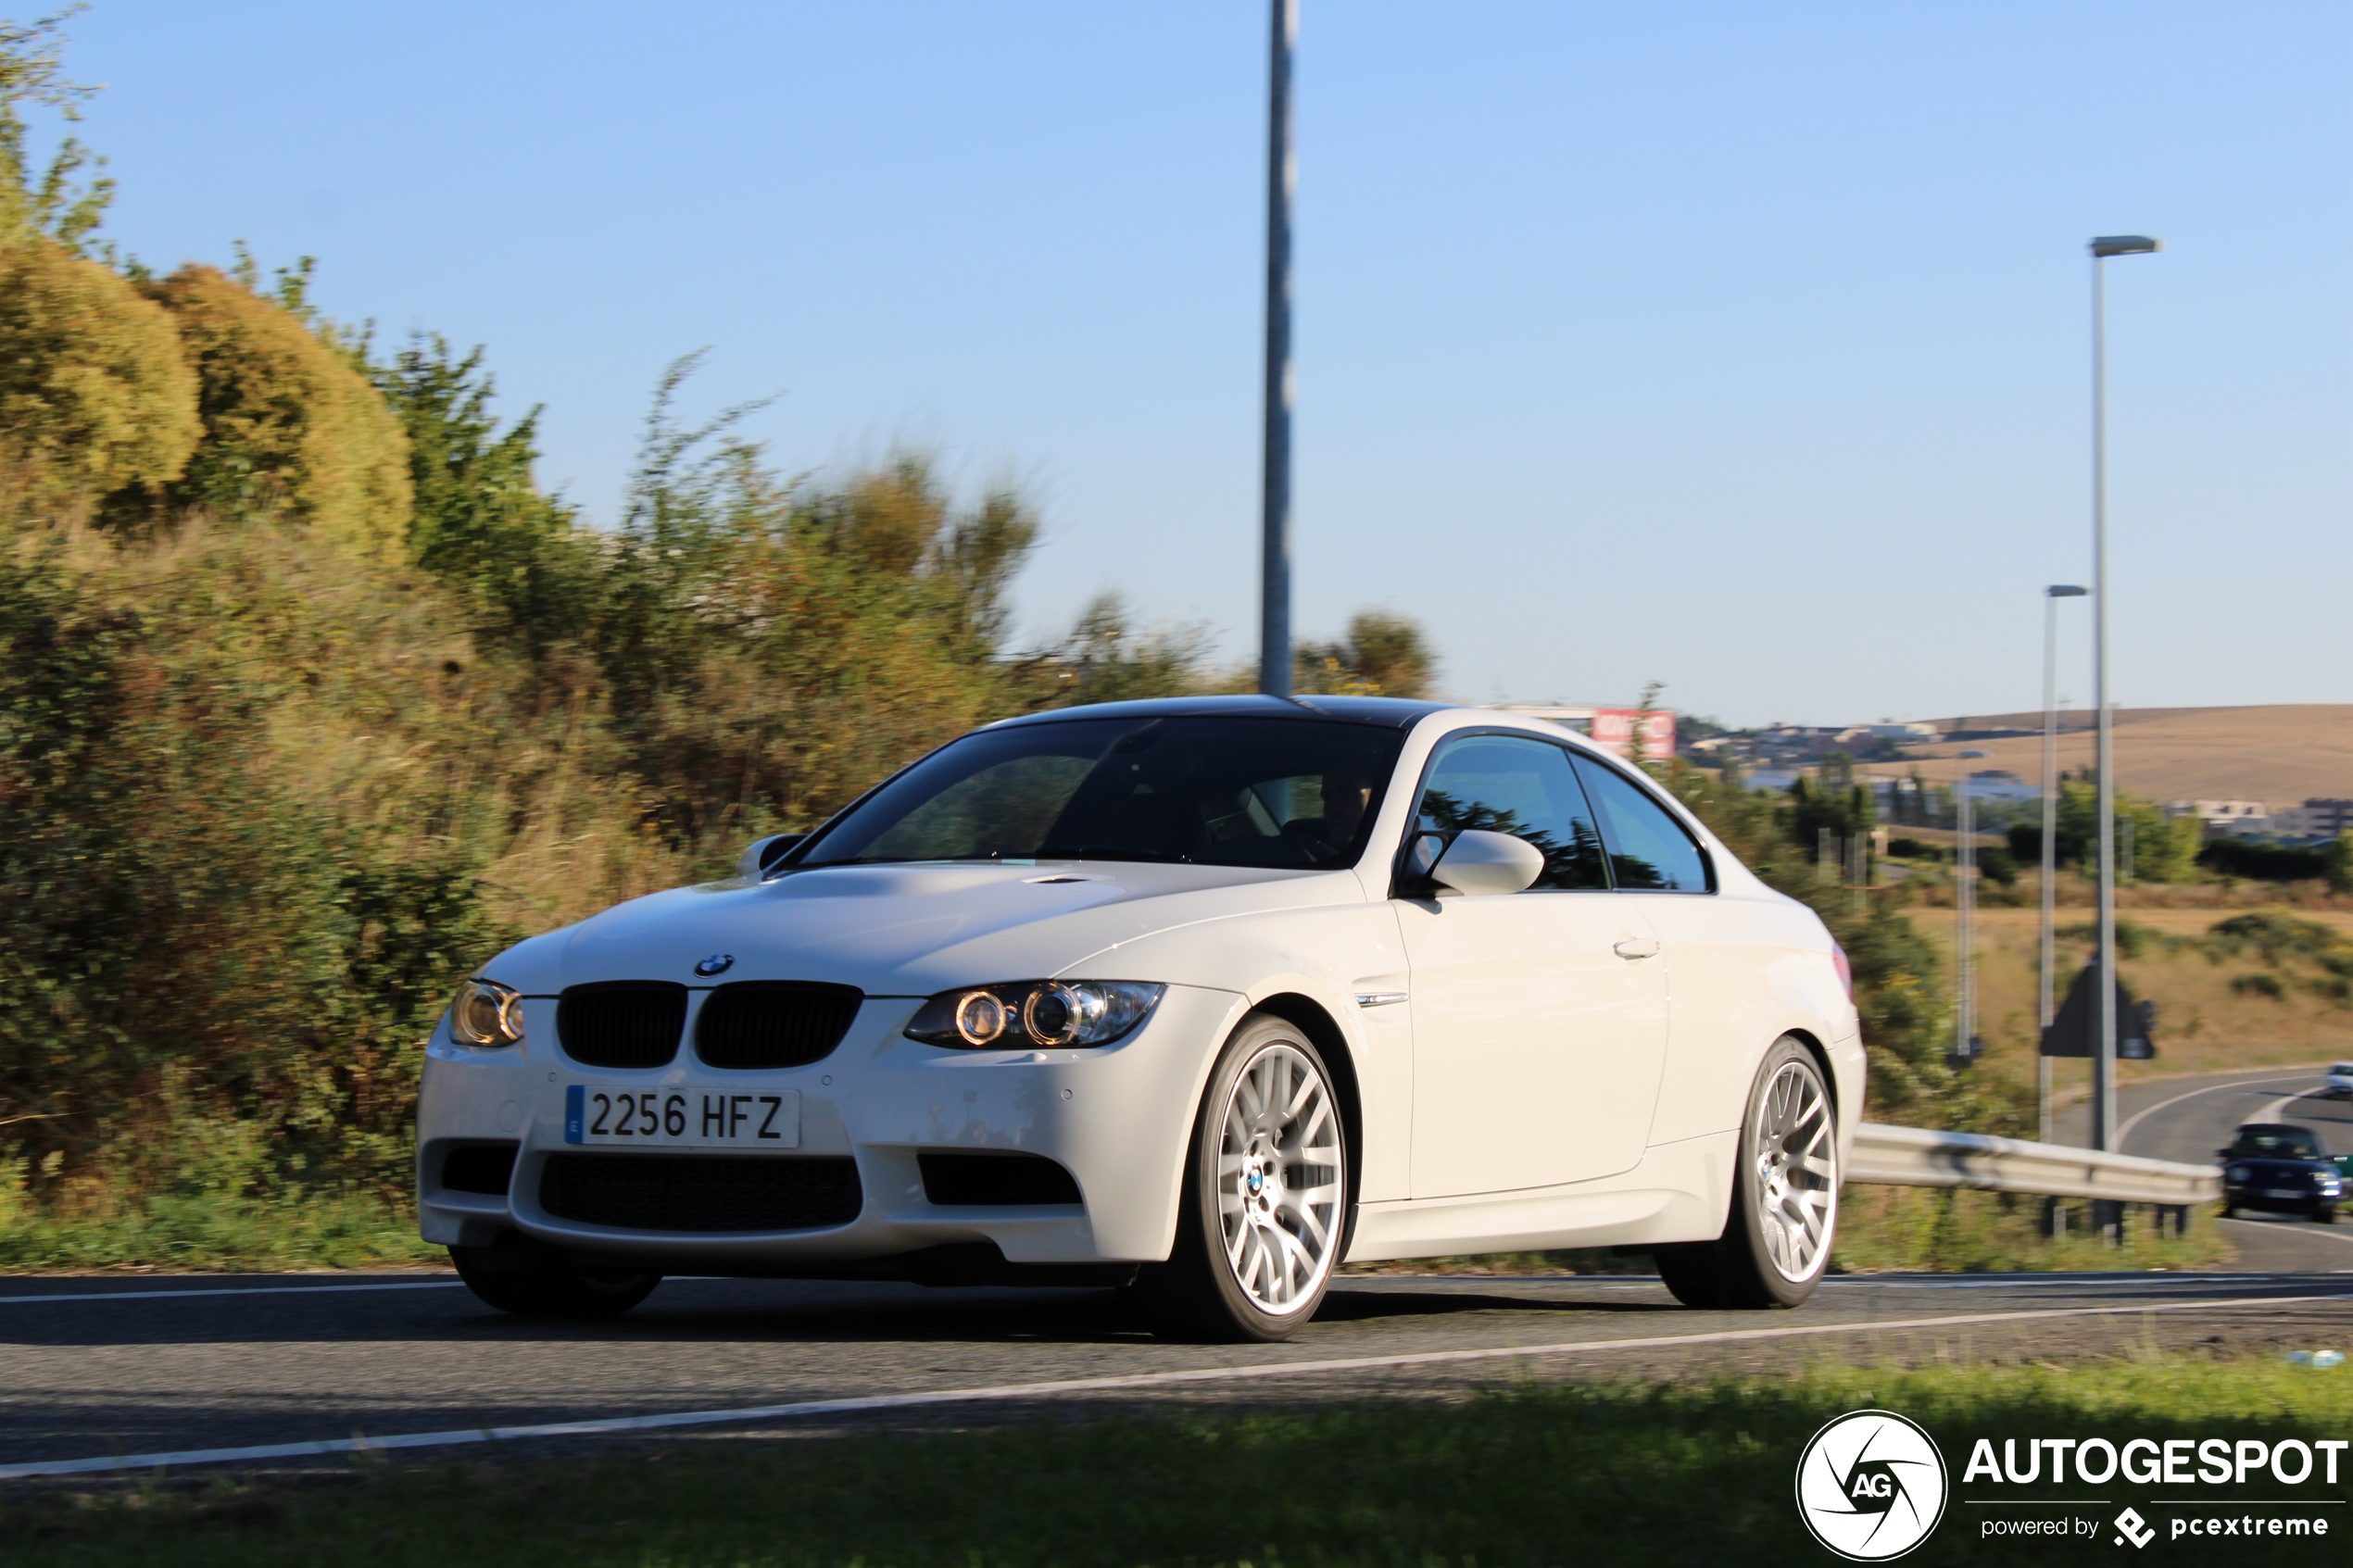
pixel 547 1288
pixel 1784 1211
pixel 1266 1195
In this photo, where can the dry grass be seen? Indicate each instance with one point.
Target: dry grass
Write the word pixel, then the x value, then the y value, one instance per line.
pixel 2203 1024
pixel 2284 753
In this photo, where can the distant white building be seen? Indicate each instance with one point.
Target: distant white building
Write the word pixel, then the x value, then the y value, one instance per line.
pixel 1904 734
pixel 2221 815
pixel 2317 819
pixel 2000 784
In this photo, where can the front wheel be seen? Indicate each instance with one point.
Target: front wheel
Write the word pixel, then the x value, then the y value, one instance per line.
pixel 2325 1214
pixel 534 1287
pixel 1266 1195
pixel 1784 1212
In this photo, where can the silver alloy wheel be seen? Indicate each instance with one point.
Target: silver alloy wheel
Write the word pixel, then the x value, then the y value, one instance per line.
pixel 1796 1168
pixel 1280 1179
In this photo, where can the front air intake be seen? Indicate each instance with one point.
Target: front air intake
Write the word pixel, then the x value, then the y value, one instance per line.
pixel 483 1168
pixel 672 1192
pixel 622 1022
pixel 774 1022
pixel 960 1180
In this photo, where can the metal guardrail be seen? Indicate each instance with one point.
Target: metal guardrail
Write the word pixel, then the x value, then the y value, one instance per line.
pixel 1888 1156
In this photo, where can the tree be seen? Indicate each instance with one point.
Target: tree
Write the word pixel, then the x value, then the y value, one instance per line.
pixel 290 426
pixel 94 393
pixel 1384 654
pixel 479 522
pixel 2164 848
pixel 50 204
pixel 95 396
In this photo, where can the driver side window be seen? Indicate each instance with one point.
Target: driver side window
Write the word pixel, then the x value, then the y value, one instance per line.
pixel 1525 787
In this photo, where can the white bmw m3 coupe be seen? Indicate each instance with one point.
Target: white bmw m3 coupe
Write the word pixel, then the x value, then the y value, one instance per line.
pixel 1202 998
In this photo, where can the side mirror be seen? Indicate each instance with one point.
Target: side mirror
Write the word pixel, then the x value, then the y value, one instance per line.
pixel 2222 1153
pixel 1481 861
pixel 761 856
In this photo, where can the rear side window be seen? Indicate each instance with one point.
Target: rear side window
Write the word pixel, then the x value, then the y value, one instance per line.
pixel 1649 851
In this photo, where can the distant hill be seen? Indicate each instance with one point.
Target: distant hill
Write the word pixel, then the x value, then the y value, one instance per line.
pixel 2281 754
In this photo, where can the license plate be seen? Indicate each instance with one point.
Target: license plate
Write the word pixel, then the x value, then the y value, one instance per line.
pixel 596 1113
pixel 2285 1192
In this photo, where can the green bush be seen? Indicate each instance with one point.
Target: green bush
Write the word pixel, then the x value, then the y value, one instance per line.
pixel 2264 862
pixel 289 425
pixel 94 394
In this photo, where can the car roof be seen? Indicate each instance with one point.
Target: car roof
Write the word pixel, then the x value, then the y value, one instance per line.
pixel 1386 712
pixel 2273 1128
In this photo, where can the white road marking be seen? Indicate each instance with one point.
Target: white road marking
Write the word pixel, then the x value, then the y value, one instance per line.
pixel 2019 1281
pixel 612 1424
pixel 237 1290
pixel 2277 1110
pixel 2133 1121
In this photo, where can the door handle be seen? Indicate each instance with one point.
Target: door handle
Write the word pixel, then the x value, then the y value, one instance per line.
pixel 1637 948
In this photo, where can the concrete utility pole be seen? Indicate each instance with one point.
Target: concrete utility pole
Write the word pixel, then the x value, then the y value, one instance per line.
pixel 1965 905
pixel 2045 1012
pixel 2104 1060
pixel 1282 176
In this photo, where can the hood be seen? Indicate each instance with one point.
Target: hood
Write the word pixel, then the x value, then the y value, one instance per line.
pixel 2269 1165
pixel 906 930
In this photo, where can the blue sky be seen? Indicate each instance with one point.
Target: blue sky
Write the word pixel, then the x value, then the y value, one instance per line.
pixel 1738 346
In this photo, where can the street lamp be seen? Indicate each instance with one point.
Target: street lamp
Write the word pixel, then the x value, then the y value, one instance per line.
pixel 1282 177
pixel 2051 597
pixel 2104 1062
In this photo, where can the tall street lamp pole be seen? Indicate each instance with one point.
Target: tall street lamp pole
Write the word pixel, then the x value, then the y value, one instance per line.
pixel 2043 1013
pixel 2104 1062
pixel 1282 170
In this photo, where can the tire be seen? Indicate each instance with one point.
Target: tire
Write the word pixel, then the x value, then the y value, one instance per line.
pixel 545 1289
pixel 1263 1208
pixel 1784 1210
pixel 2325 1215
pixel 2230 1210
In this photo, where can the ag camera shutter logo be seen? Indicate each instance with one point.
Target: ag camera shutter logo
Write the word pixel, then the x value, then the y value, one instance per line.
pixel 1871 1485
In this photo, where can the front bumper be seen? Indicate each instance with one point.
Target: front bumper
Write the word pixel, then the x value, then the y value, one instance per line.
pixel 2279 1200
pixel 1117 1117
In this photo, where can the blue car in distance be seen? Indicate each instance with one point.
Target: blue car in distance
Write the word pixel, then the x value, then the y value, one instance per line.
pixel 2280 1169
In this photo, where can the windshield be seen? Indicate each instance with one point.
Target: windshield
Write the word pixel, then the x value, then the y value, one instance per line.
pixel 2278 1143
pixel 1297 793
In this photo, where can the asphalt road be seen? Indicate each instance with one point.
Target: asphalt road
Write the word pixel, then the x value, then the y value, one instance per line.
pixel 147 1367
pixel 2188 1119
pixel 210 1368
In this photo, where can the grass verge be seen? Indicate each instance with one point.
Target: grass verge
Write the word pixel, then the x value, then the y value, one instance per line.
pixel 1532 1474
pixel 290 1229
pixel 1959 1230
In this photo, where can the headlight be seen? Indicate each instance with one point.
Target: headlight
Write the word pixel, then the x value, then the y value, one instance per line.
pixel 1035 1013
pixel 2331 1186
pixel 2239 1175
pixel 486 1015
